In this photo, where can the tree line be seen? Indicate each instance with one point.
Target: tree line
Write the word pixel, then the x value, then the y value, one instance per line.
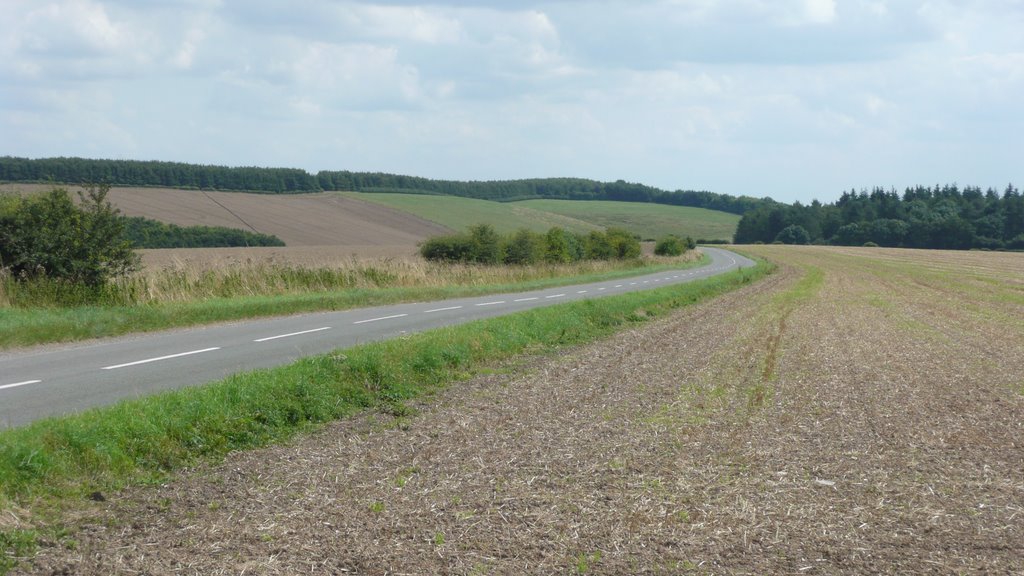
pixel 535 188
pixel 153 173
pixel 146 233
pixel 942 217
pixel 481 244
pixel 291 180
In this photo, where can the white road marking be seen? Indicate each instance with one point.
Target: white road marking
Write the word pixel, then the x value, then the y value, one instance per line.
pixel 381 318
pixel 527 299
pixel 442 309
pixel 618 285
pixel 554 296
pixel 491 303
pixel 293 334
pixel 601 289
pixel 581 291
pixel 148 360
pixel 15 385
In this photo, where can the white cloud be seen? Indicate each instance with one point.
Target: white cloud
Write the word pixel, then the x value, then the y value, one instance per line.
pixel 820 11
pixel 416 24
pixel 780 97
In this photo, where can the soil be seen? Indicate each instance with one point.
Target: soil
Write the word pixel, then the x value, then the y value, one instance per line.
pixel 323 219
pixel 872 423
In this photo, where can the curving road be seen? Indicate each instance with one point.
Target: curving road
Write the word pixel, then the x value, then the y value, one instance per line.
pixel 55 380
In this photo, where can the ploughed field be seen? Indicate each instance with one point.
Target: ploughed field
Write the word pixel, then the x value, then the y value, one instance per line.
pixel 324 219
pixel 858 411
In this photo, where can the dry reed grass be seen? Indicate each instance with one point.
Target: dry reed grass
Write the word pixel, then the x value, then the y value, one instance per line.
pixel 182 276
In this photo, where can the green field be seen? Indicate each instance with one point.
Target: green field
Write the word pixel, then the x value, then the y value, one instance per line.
pixel 460 213
pixel 650 221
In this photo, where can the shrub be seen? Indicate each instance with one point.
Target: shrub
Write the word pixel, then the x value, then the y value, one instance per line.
pixel 486 244
pixel 624 245
pixel 793 234
pixel 556 247
pixel 49 236
pixel 483 245
pixel 451 248
pixel 599 246
pixel 670 246
pixel 524 248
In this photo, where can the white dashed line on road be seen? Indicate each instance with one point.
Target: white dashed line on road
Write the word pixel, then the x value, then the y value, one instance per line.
pixel 269 338
pixel 16 384
pixel 442 309
pixel 381 318
pixel 168 357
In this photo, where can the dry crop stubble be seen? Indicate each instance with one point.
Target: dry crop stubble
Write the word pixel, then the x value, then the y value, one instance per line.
pixel 892 441
pixel 194 274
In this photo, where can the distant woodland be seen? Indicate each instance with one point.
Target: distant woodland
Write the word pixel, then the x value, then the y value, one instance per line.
pixel 946 217
pixel 291 180
pixel 942 216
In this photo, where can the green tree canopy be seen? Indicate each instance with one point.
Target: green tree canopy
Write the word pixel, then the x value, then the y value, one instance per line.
pixel 48 235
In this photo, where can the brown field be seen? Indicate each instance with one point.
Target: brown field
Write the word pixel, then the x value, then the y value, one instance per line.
pixel 861 411
pixel 299 220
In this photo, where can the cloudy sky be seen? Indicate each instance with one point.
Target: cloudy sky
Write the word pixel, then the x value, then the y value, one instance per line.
pixel 793 99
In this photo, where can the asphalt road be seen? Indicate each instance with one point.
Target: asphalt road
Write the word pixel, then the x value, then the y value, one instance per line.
pixel 55 380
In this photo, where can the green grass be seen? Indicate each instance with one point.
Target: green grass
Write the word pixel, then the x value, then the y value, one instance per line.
pixel 33 326
pixel 16 544
pixel 650 221
pixel 56 462
pixel 460 213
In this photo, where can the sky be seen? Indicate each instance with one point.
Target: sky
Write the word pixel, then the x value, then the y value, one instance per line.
pixel 792 99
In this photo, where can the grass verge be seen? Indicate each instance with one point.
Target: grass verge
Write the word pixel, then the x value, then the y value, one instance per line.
pixel 33 326
pixel 52 464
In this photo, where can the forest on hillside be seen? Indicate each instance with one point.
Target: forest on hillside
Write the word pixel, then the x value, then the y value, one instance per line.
pixel 291 180
pixel 944 217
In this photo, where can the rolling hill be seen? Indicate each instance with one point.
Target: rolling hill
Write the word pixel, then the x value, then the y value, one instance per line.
pixel 650 221
pixel 387 219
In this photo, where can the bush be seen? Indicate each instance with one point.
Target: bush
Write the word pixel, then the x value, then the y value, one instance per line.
pixel 793 234
pixel 483 245
pixel 49 236
pixel 556 247
pixel 624 245
pixel 451 248
pixel 486 244
pixel 672 246
pixel 524 248
pixel 599 246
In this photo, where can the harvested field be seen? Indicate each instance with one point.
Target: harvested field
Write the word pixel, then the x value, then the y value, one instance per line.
pixel 325 219
pixel 860 411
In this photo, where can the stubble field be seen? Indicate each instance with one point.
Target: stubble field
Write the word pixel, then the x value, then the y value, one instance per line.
pixel 860 411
